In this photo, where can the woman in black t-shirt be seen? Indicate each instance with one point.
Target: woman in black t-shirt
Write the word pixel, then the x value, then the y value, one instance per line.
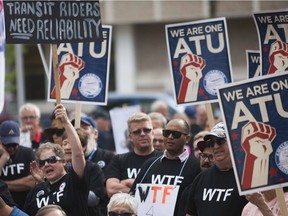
pixel 68 190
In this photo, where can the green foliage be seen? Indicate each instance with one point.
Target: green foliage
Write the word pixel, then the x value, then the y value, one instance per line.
pixel 10 77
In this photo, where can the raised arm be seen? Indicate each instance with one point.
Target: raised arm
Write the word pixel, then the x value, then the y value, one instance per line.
pixel 78 160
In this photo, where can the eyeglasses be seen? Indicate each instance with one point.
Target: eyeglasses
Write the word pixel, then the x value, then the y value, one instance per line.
pixel 204 156
pixel 139 131
pixel 28 117
pixel 219 141
pixel 158 140
pixel 112 213
pixel 175 134
pixel 50 160
pixel 58 133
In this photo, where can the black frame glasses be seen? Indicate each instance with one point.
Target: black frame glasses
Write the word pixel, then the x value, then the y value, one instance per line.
pixel 112 213
pixel 219 141
pixel 138 132
pixel 50 160
pixel 175 134
pixel 204 156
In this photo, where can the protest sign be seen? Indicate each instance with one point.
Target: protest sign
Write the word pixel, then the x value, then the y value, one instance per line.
pixel 156 199
pixel 253 63
pixel 2 56
pixel 256 115
pixel 199 59
pixel 119 117
pixel 83 71
pixel 273 38
pixel 52 21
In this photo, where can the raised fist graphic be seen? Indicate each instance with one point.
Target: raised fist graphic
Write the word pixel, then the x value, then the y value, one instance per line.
pixel 278 57
pixel 191 69
pixel 69 69
pixel 256 140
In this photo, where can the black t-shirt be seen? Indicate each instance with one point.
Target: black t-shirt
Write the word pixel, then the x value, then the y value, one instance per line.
pixel 18 167
pixel 69 192
pixel 168 172
pixel 102 157
pixel 95 181
pixel 215 192
pixel 127 166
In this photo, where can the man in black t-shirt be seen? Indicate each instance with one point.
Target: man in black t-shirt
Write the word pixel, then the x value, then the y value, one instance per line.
pixel 124 168
pixel 166 176
pixel 16 172
pixel 214 191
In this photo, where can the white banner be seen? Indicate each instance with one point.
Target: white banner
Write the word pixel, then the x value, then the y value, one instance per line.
pixel 156 199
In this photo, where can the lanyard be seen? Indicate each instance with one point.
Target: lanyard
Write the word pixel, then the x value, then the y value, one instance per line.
pixel 91 155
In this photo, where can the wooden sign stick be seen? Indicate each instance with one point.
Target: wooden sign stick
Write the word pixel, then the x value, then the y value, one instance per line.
pixel 281 201
pixel 77 122
pixel 210 116
pixel 56 73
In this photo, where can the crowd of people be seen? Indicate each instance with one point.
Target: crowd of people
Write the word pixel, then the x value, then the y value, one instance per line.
pixel 66 171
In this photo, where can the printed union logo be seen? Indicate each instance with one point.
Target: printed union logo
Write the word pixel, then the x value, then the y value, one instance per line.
pixel 40 193
pixel 62 186
pixel 90 85
pixel 213 80
pixel 101 164
pixel 281 157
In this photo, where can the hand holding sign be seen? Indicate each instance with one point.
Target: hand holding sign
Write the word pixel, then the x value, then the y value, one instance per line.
pixel 278 57
pixel 256 141
pixel 191 69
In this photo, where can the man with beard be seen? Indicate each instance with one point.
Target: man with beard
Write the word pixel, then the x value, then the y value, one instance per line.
pixel 93 153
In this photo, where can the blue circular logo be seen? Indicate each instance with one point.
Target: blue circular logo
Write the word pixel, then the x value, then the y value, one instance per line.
pixel 213 80
pixel 281 157
pixel 90 85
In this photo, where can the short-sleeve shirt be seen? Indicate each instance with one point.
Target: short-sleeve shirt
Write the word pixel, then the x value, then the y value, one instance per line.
pixel 102 157
pixel 169 172
pixel 95 180
pixel 70 192
pixel 18 167
pixel 215 192
pixel 127 165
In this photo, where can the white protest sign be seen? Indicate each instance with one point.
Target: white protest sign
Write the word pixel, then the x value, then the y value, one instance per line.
pixel 119 117
pixel 156 199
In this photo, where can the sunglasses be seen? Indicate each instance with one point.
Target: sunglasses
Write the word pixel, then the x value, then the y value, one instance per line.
pixel 219 141
pixel 112 213
pixel 139 131
pixel 58 133
pixel 205 156
pixel 175 134
pixel 50 160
